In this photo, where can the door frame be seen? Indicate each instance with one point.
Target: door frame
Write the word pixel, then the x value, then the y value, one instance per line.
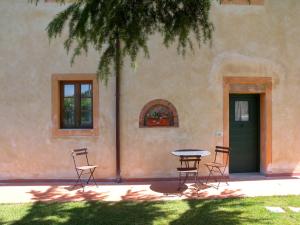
pixel 252 85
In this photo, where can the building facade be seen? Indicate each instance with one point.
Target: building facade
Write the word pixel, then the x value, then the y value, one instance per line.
pixel 250 74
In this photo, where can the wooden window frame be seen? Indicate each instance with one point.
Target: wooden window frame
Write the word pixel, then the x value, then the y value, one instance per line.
pixel 57 79
pixel 77 97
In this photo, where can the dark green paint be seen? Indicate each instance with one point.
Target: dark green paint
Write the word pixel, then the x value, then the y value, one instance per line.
pixel 244 136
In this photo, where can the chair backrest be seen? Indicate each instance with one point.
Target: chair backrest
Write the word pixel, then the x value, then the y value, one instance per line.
pixel 222 155
pixel 190 162
pixel 80 156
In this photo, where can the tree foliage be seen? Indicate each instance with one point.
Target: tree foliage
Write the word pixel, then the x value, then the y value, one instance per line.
pixel 102 23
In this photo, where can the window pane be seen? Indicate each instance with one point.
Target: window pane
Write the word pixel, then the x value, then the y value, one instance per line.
pixel 86 90
pixel 241 111
pixel 69 90
pixel 86 104
pixel 86 112
pixel 86 119
pixel 159 112
pixel 69 112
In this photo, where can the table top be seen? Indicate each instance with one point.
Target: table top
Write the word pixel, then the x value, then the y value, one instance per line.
pixel 190 152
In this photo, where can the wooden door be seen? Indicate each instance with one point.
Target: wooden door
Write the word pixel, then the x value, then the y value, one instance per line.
pixel 244 133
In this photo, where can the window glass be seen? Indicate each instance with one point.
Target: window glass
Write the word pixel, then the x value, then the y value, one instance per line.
pixel 69 90
pixel 159 115
pixel 241 111
pixel 86 90
pixel 86 111
pixel 77 105
pixel 69 112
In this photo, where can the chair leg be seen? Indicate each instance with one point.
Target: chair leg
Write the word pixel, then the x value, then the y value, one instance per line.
pixel 197 180
pixel 182 180
pixel 179 181
pixel 92 176
pixel 222 176
pixel 211 170
pixel 79 179
pixel 226 180
pixel 210 173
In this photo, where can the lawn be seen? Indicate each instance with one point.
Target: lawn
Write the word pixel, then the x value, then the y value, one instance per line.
pixel 226 211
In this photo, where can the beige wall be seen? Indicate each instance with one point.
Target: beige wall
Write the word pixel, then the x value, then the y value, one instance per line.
pixel 27 62
pixel 248 41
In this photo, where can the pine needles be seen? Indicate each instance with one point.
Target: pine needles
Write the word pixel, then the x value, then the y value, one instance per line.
pixel 103 23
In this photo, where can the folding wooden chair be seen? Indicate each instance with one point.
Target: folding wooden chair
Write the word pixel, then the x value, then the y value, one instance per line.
pixel 219 165
pixel 80 156
pixel 188 167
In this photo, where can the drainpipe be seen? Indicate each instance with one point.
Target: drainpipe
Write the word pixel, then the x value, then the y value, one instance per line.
pixel 118 73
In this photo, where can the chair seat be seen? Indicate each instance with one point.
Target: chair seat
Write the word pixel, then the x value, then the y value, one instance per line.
pixel 86 167
pixel 188 170
pixel 214 164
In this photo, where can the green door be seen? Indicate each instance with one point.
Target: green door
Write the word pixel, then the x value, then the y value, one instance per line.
pixel 244 133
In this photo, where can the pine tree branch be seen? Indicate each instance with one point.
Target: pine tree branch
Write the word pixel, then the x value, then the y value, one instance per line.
pixel 96 22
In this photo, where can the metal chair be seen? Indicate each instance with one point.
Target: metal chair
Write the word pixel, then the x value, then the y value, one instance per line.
pixel 188 167
pixel 219 165
pixel 81 156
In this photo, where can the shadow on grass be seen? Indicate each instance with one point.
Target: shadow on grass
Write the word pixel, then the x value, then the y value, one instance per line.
pixel 88 213
pixel 220 211
pixel 55 207
pixel 217 211
pixel 144 210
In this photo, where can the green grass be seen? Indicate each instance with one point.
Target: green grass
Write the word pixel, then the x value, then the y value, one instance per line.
pixel 191 212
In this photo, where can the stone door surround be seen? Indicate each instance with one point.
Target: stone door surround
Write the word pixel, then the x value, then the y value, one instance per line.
pixel 252 85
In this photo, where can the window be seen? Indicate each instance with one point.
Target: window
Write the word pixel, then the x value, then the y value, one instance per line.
pixel 241 111
pixel 75 105
pixel 158 113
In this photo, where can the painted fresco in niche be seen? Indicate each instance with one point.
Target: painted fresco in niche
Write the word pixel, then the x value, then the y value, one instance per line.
pixel 159 116
pixel 158 113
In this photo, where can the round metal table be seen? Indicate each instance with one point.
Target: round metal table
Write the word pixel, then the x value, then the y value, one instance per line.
pixel 190 153
pixel 189 163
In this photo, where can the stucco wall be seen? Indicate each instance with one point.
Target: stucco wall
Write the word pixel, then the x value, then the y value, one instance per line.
pixel 259 40
pixel 27 62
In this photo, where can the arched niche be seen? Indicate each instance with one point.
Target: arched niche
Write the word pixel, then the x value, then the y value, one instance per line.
pixel 158 113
